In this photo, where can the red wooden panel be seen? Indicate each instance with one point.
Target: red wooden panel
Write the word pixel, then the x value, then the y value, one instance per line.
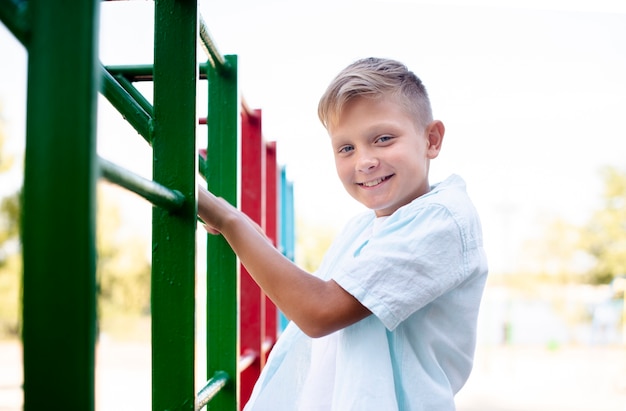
pixel 271 228
pixel 252 204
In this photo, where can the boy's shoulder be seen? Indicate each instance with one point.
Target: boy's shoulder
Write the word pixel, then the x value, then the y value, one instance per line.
pixel 452 185
pixel 446 201
pixel 450 194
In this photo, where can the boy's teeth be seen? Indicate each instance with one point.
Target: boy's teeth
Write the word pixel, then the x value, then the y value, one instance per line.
pixel 372 183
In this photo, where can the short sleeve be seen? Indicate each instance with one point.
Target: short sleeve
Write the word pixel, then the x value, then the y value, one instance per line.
pixel 414 257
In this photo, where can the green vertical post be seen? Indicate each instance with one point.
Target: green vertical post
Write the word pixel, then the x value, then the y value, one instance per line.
pixel 222 265
pixel 59 314
pixel 173 235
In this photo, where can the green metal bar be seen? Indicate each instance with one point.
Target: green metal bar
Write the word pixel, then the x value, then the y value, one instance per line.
pixel 157 194
pixel 222 266
pixel 59 283
pixel 14 15
pixel 143 72
pixel 135 72
pixel 135 94
pixel 134 113
pixel 174 235
pixel 211 389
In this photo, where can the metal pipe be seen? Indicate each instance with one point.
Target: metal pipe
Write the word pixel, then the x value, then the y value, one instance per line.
pixel 157 194
pixel 145 72
pixel 126 105
pixel 247 359
pixel 267 345
pixel 135 94
pixel 216 58
pixel 135 72
pixel 211 388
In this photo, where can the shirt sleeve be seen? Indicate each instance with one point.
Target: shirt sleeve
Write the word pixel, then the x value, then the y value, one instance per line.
pixel 411 260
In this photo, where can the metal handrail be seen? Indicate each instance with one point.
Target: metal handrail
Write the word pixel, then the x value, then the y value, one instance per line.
pixel 208 45
pixel 211 388
pixel 152 191
pixel 127 105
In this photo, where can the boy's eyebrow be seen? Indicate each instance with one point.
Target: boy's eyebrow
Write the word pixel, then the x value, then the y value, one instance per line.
pixel 376 128
pixel 339 141
pixel 384 127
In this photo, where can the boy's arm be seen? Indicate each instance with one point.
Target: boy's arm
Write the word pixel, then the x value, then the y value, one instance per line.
pixel 318 307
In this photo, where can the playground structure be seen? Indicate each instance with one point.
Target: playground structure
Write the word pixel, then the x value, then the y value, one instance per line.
pixel 58 229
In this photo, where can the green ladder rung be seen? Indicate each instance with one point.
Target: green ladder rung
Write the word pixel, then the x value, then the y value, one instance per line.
pixel 211 389
pixel 156 193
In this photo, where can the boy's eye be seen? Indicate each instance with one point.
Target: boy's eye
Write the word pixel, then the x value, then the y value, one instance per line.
pixel 346 149
pixel 383 139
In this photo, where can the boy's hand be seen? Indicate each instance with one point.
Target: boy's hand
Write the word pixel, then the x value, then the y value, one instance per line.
pixel 214 211
pixel 210 230
pixel 319 307
pixel 211 210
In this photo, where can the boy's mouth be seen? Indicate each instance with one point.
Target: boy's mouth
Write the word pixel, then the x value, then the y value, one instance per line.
pixel 374 182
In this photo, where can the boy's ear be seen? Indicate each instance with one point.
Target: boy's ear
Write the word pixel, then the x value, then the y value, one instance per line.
pixel 434 134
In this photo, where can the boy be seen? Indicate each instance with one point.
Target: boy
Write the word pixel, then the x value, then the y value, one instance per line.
pixel 388 322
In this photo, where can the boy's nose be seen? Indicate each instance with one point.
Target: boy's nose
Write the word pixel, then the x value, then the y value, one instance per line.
pixel 366 162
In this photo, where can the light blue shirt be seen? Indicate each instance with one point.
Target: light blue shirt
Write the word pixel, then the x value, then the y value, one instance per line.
pixel 421 272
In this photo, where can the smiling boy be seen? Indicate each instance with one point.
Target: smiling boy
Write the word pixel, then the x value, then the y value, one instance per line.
pixel 388 321
pixel 382 153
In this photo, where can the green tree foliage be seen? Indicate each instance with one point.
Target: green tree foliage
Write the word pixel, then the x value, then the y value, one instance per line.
pixel 604 237
pixel 10 260
pixel 312 242
pixel 6 159
pixel 10 265
pixel 123 267
pixel 556 257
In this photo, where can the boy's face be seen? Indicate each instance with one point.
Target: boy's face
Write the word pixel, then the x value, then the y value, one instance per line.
pixel 382 156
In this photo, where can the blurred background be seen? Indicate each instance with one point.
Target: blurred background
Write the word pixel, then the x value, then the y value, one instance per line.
pixel 533 96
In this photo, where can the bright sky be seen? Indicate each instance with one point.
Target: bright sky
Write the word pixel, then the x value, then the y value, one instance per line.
pixel 532 93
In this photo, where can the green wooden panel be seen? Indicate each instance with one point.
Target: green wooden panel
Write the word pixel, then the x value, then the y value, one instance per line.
pixel 59 322
pixel 173 236
pixel 222 266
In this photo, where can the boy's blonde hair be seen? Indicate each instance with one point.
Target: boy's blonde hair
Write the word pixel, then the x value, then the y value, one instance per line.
pixel 372 78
